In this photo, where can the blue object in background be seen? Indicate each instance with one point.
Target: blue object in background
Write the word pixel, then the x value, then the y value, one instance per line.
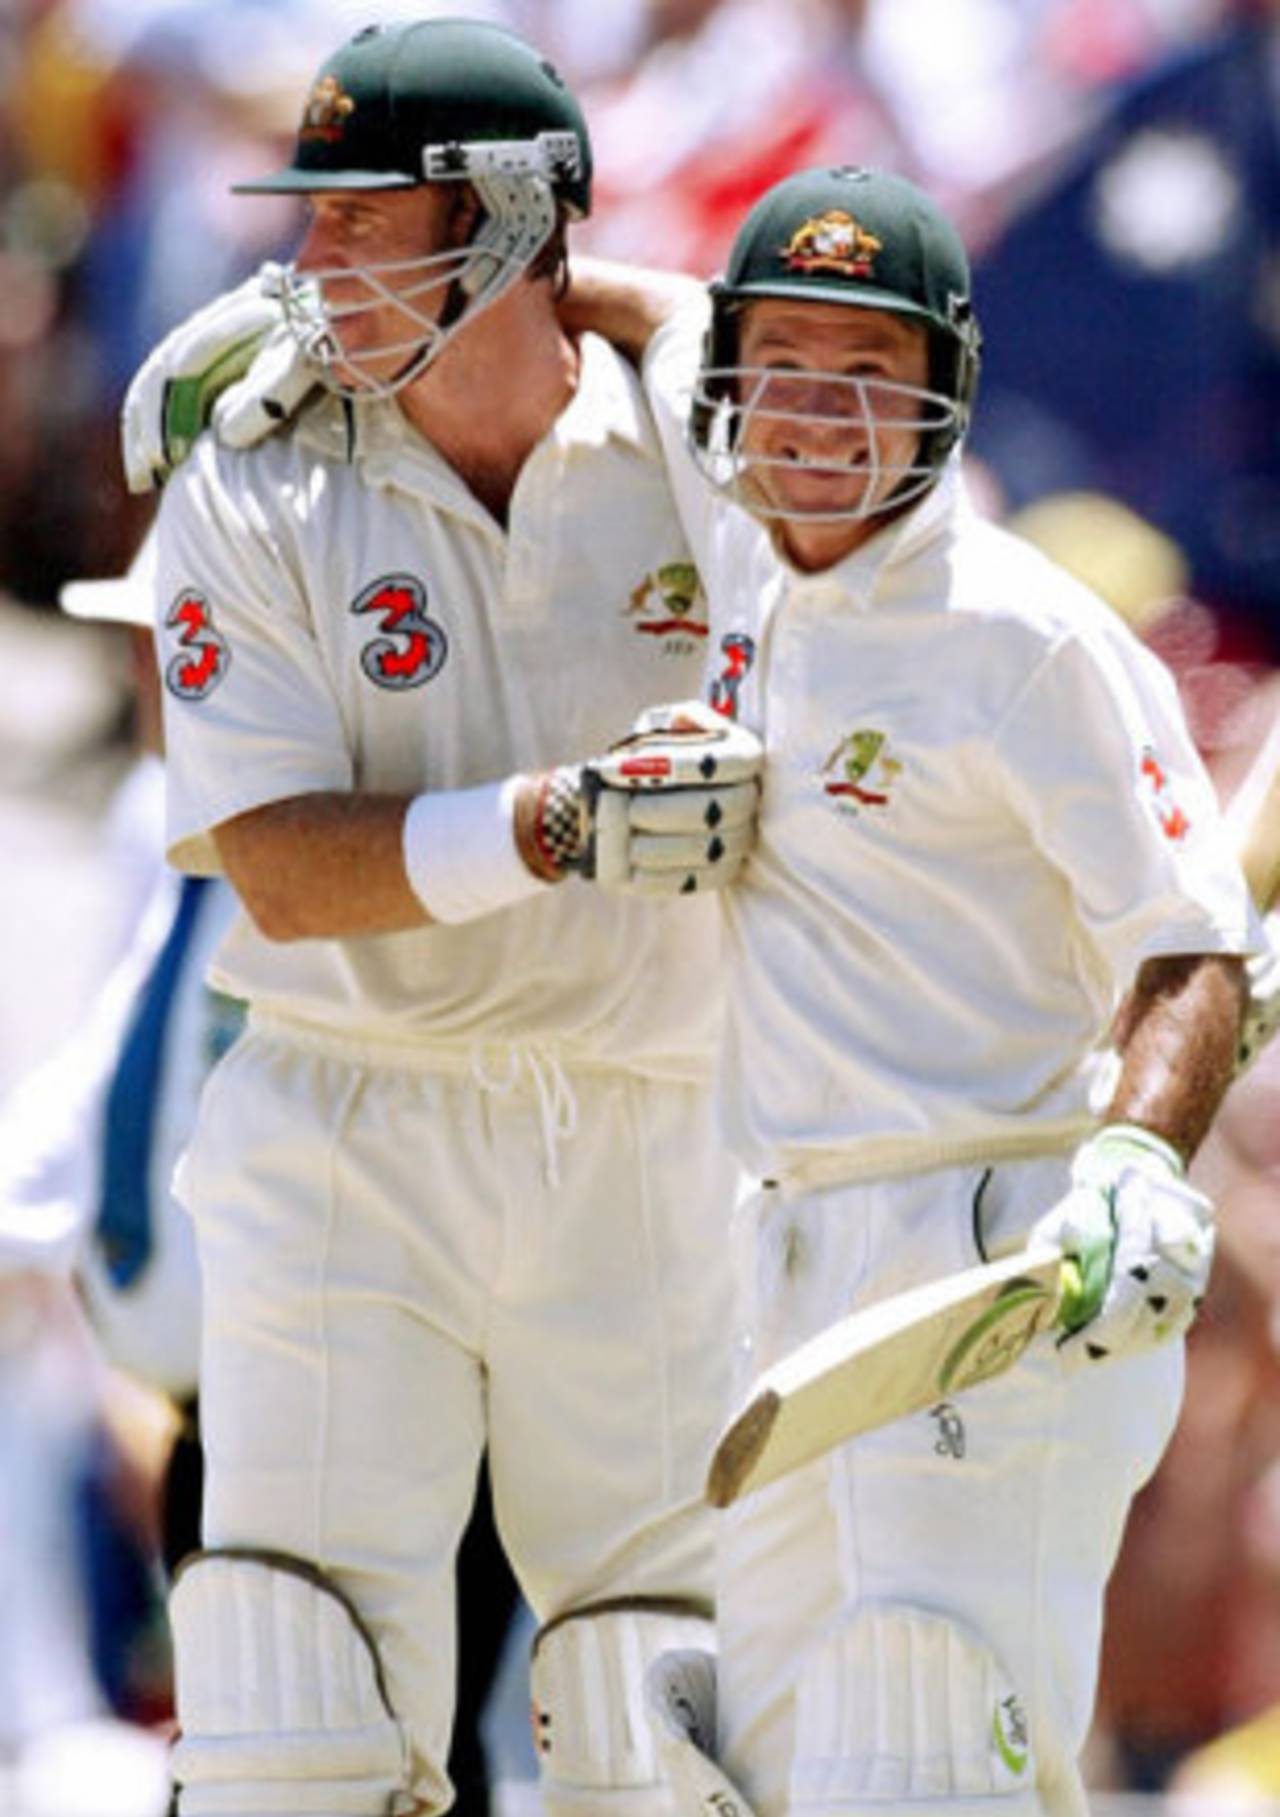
pixel 1132 320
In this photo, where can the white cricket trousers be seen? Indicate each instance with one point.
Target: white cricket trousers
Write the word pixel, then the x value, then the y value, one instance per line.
pixel 1001 1513
pixel 391 1282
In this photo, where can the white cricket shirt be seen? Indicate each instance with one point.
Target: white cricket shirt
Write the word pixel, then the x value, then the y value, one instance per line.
pixel 982 811
pixel 337 617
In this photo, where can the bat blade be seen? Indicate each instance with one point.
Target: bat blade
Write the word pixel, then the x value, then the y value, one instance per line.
pixel 897 1357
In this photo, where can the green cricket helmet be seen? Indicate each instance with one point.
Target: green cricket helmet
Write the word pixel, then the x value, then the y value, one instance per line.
pixel 865 239
pixel 432 101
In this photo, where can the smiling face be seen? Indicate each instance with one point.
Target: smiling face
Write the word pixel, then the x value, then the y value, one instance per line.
pixel 831 420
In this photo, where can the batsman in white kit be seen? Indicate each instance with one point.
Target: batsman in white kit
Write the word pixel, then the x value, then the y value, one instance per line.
pixel 458 1185
pixel 984 830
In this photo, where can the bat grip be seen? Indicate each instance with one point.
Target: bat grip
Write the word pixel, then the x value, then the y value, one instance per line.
pixel 1070 1314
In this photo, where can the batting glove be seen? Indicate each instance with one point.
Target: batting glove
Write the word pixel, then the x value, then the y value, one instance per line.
pixel 680 1694
pixel 1142 1241
pixel 670 810
pixel 233 363
pixel 1262 1015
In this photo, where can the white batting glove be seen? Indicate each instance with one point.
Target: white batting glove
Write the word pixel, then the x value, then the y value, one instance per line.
pixel 233 363
pixel 672 809
pixel 1142 1239
pixel 1262 1015
pixel 680 1694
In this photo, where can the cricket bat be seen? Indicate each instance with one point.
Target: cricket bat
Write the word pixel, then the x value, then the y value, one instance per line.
pixel 897 1357
pixel 908 1352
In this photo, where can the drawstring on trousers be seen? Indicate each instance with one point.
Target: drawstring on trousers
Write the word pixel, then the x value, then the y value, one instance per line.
pixel 557 1106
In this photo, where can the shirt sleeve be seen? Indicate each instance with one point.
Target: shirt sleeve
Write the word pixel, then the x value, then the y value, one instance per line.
pixel 250 716
pixel 1097 758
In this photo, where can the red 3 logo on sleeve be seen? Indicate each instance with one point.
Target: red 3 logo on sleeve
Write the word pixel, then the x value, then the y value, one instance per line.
pixel 1158 794
pixel 203 656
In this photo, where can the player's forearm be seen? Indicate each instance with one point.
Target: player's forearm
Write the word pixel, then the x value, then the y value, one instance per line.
pixel 1178 1036
pixel 332 866
pixel 322 866
pixel 626 304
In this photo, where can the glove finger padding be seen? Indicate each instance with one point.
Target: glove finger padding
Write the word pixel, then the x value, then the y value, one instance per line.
pixel 695 810
pixel 1160 1273
pixel 270 392
pixel 1143 1238
pixel 726 848
pixel 672 809
pixel 170 397
pixel 681 862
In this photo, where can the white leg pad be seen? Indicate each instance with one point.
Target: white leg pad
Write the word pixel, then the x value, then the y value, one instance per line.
pixel 905 1707
pixel 280 1699
pixel 681 1691
pixel 596 1742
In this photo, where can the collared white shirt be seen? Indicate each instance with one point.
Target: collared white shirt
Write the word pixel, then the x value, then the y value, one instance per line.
pixel 982 812
pixel 336 616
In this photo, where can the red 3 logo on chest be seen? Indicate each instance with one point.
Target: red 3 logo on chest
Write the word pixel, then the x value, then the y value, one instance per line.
pixel 411 647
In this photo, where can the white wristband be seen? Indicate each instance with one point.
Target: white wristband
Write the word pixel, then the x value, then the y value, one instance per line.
pixel 1132 1136
pixel 460 852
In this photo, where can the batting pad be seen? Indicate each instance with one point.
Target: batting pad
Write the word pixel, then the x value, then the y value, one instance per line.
pixel 280 1699
pixel 904 1707
pixel 596 1742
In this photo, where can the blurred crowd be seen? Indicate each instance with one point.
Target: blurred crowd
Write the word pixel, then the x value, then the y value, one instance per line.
pixel 1115 166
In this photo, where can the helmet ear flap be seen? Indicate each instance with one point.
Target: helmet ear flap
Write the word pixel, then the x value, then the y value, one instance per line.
pixel 955 358
pixel 719 356
pixel 969 357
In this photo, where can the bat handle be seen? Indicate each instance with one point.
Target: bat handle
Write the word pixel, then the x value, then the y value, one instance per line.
pixel 1070 1314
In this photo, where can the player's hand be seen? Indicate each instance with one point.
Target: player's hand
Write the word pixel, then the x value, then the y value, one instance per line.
pixel 233 363
pixel 670 810
pixel 1142 1240
pixel 673 808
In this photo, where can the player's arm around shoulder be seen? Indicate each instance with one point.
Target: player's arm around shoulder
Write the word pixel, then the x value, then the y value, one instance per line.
pixel 625 304
pixel 658 320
